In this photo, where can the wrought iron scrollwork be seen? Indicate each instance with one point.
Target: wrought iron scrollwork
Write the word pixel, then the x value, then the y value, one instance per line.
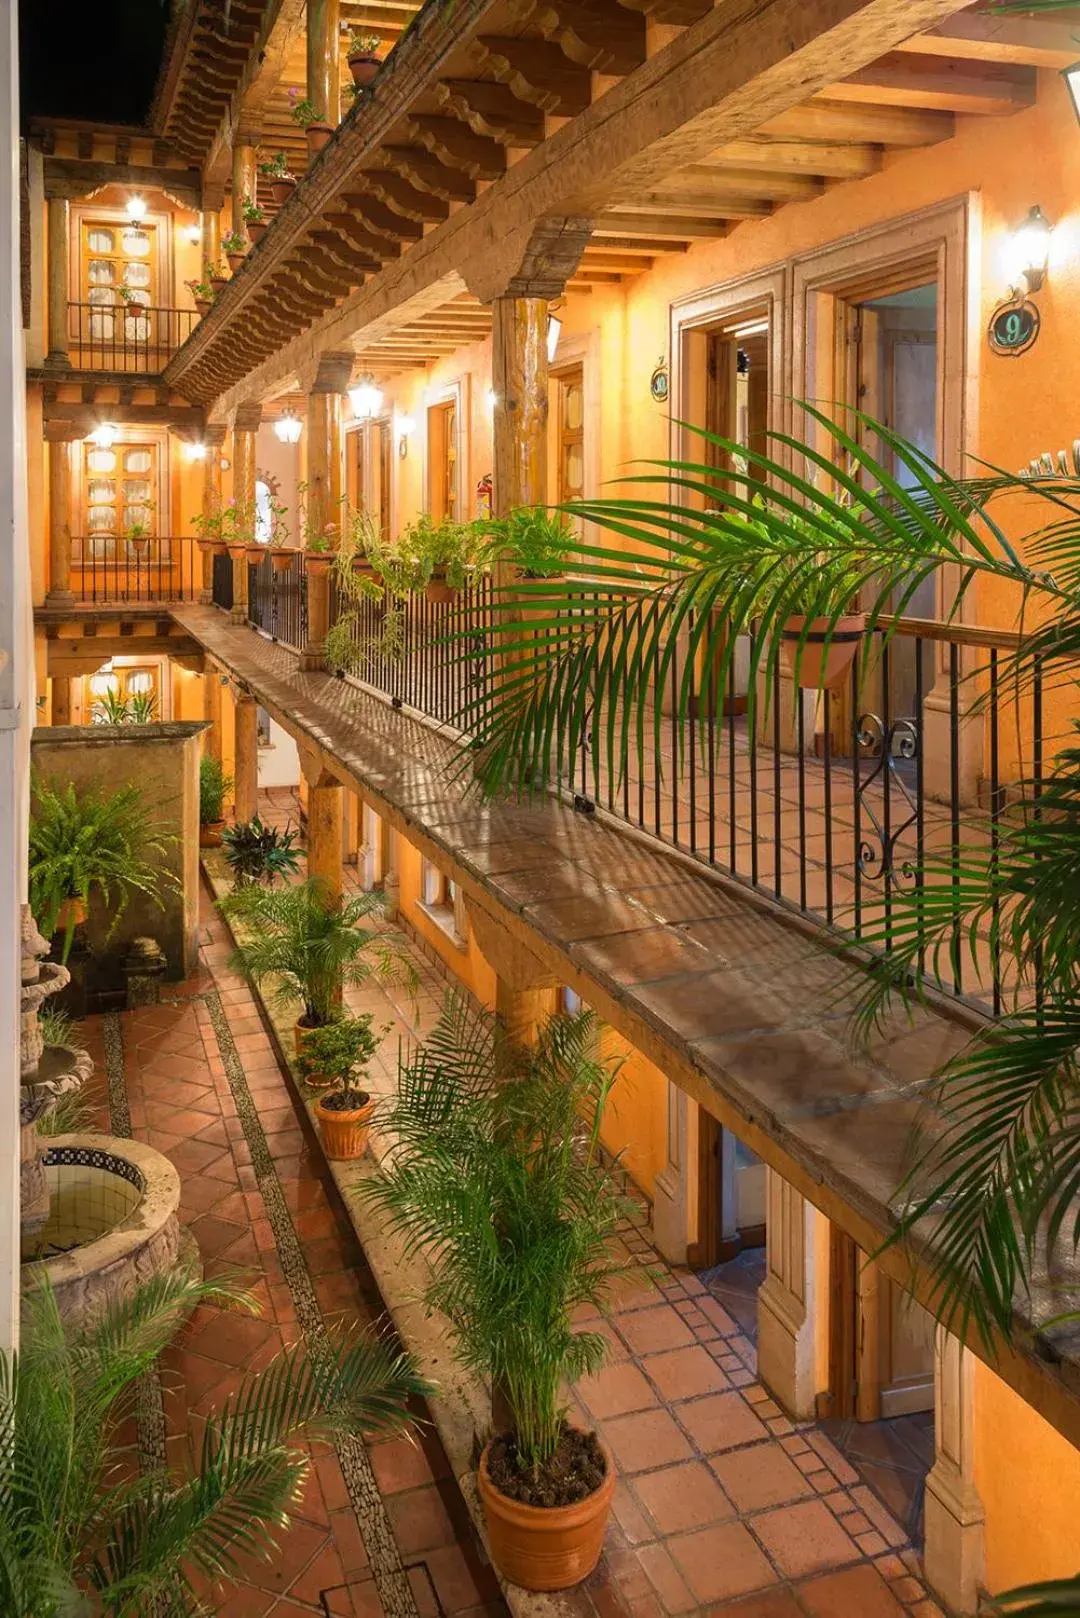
pixel 889 746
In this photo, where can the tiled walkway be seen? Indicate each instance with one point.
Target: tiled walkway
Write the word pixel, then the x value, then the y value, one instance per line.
pixel 723 1505
pixel 372 1527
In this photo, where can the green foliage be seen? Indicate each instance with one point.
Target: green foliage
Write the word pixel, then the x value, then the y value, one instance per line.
pixel 536 540
pixel 58 1028
pixel 213 786
pixel 234 242
pixel 80 1535
pixel 311 947
pixel 70 1113
pixel 305 113
pixel 259 853
pixel 253 213
pixel 142 707
pixel 276 167
pixel 338 1053
pixel 497 1176
pixel 362 44
pixel 424 548
pixel 112 708
pixel 86 839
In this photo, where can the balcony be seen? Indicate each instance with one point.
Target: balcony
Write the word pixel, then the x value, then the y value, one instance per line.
pixel 107 570
pixel 131 338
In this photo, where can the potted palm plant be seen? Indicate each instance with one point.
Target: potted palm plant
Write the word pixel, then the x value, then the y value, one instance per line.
pixel 496 1172
pixel 255 852
pixel 312 947
pixel 362 58
pixel 112 707
pixel 438 557
pixel 86 841
pixel 81 1536
pixel 213 786
pixel 335 1058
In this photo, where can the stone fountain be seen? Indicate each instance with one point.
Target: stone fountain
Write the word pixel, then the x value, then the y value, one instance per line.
pixel 98 1214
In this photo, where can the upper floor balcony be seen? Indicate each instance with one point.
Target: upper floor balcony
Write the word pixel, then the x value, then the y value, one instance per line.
pixel 111 333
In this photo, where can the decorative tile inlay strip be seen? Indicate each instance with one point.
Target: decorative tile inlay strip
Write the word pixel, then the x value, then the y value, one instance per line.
pixel 149 1404
pixel 391 1579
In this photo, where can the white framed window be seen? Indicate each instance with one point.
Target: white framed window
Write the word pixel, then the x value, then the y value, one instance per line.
pixel 443 902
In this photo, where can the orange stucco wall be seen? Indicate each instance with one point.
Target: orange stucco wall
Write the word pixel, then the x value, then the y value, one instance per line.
pixel 467 965
pixel 1028 1478
pixel 635 1123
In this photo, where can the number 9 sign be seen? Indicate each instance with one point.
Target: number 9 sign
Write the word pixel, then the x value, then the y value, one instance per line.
pixel 1014 328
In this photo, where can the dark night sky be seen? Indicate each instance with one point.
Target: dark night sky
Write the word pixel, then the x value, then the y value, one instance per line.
pixel 98 61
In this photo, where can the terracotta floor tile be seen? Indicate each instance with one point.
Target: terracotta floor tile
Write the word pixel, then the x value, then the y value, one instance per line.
pixel 804 1538
pixel 618 1388
pixel 399 1464
pixel 685 1373
pixel 644 1440
pixel 859 1590
pixel 321 1574
pixel 420 1521
pixel 666 1579
pixel 720 1421
pixel 242 1601
pixel 349 1541
pixel 683 1497
pixel 774 1604
pixel 760 1476
pixel 650 1330
pixel 461 1581
pixel 721 1562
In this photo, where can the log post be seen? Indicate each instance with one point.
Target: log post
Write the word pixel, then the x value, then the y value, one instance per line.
pixel 61 699
pixel 246 784
pixel 245 428
pixel 59 435
pixel 214 437
pixel 324 60
pixel 245 177
pixel 58 228
pixel 324 449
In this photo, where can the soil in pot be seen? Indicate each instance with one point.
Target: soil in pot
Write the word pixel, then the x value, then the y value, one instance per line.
pixel 364 70
pixel 829 647
pixel 547 1531
pixel 210 833
pixel 343 1123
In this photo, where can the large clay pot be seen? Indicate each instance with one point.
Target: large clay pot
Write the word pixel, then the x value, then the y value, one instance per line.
pixel 438 592
pixel 364 70
pixel 344 1134
pixel 219 282
pixel 72 913
pixel 281 558
pixel 211 547
pixel 545 1547
pixel 828 649
pixel 256 229
pixel 203 306
pixel 235 260
pixel 282 190
pixel 210 833
pixel 317 136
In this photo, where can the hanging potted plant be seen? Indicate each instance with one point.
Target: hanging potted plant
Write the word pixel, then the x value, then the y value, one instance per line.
pixel 496 1172
pixel 202 294
pixel 235 247
pixel 82 841
pixel 335 1058
pixel 362 57
pixel 312 947
pixel 213 785
pixel 436 557
pixel 282 182
pixel 821 643
pixel 215 274
pixel 254 219
pixel 138 536
pixel 211 528
pixel 311 119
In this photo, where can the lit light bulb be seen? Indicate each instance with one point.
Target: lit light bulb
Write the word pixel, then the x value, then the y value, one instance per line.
pixel 104 436
pixel 1030 249
pixel 288 427
pixel 195 452
pixel 136 209
pixel 194 234
pixel 365 401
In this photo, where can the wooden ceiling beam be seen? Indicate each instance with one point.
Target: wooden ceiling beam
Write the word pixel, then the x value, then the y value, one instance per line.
pixel 425 171
pixel 708 204
pixel 801 157
pixel 397 193
pixel 536 70
pixel 708 179
pixel 344 253
pixel 978 36
pixel 680 13
pixel 460 147
pixel 492 109
pixel 597 34
pixel 362 236
pixel 938 84
pixel 662 224
pixel 625 263
pixel 839 122
pixel 645 245
pixel 382 220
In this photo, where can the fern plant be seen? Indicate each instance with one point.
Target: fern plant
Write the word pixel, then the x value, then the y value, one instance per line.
pixel 256 852
pixel 84 840
pixel 496 1175
pixel 80 1535
pixel 213 785
pixel 311 946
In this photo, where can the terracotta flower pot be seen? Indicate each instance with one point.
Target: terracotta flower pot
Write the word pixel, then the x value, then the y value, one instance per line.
pixel 210 833
pixel 281 559
pixel 203 306
pixel 317 137
pixel 219 282
pixel 300 1034
pixel 828 648
pixel 318 561
pixel 213 547
pixel 142 543
pixel 235 260
pixel 364 70
pixel 237 552
pixel 438 592
pixel 282 190
pixel 256 229
pixel 72 913
pixel 255 551
pixel 545 1547
pixel 344 1134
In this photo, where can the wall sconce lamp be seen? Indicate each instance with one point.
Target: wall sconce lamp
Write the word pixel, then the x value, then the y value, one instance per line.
pixel 365 400
pixel 136 209
pixel 195 452
pixel 405 427
pixel 104 436
pixel 288 427
pixel 492 398
pixel 193 234
pixel 1030 249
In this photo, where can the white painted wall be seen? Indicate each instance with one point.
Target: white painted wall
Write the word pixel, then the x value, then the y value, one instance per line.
pixel 17 671
pixel 279 764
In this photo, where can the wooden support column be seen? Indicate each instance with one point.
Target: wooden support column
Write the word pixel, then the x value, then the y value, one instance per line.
pixel 519 380
pixel 212 713
pixel 59 229
pixel 61 699
pixel 790 1313
pixel 525 990
pixel 210 223
pixel 953 1513
pixel 324 60
pixel 324 827
pixel 246 785
pixel 324 449
pixel 213 437
pixel 245 176
pixel 245 427
pixel 391 878
pixel 59 436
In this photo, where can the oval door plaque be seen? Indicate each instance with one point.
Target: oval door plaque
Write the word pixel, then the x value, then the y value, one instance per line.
pixel 1014 327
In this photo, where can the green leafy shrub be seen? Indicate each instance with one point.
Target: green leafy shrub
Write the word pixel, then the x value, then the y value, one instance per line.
pixel 338 1054
pixel 213 785
pixel 256 852
pixel 536 540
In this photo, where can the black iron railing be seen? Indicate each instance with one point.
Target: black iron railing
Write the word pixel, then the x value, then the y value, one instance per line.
pixel 277 598
pixel 105 568
pixel 222 590
pixel 830 803
pixel 126 337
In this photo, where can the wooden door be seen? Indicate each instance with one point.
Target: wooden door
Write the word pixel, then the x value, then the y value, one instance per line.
pixel 881 1343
